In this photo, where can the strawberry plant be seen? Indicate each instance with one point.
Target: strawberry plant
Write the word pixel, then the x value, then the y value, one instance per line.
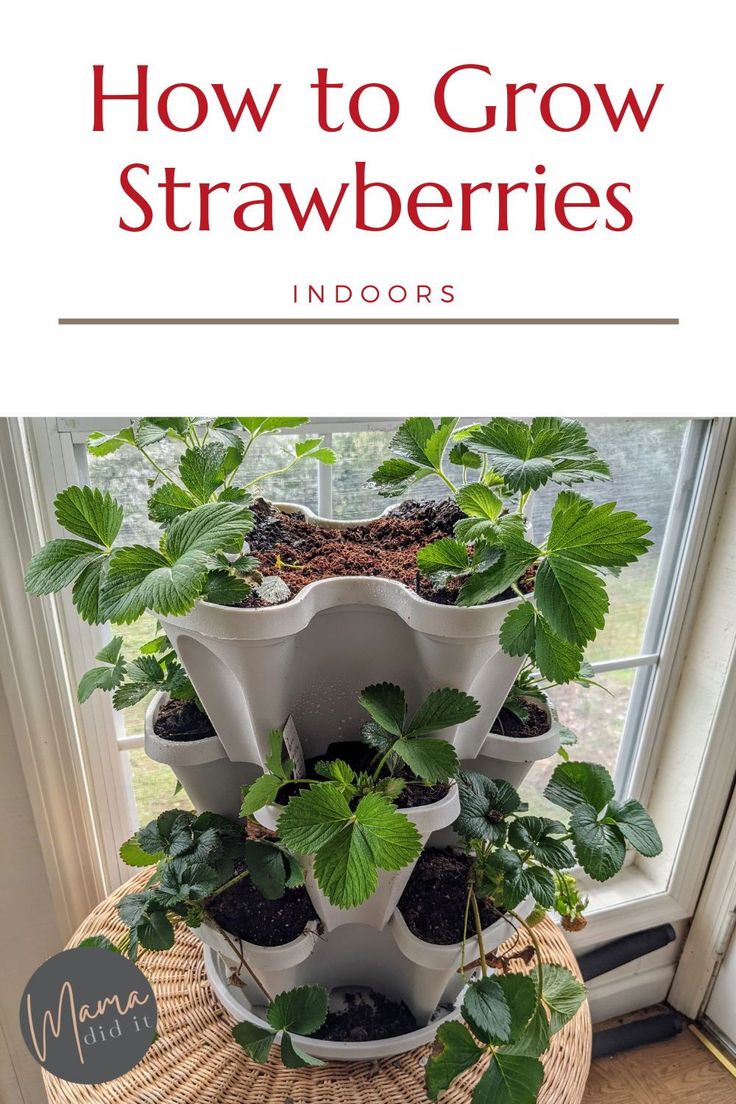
pixel 347 819
pixel 202 510
pixel 503 463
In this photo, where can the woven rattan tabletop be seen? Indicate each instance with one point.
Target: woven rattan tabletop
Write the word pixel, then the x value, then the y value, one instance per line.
pixel 195 1060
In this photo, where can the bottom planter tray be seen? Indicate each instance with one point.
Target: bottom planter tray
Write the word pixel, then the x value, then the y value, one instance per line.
pixel 234 1001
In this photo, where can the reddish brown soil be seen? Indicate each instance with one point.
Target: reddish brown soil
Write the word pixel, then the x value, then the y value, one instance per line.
pixel 386 547
pixel 508 724
pixel 182 721
pixel 433 903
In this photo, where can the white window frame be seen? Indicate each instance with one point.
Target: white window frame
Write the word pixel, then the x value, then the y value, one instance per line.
pixel 652 892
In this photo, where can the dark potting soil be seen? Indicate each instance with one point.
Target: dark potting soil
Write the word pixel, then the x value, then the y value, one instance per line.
pixel 433 903
pixel 365 1018
pixel 508 724
pixel 242 912
pixel 181 720
pixel 362 758
pixel 386 547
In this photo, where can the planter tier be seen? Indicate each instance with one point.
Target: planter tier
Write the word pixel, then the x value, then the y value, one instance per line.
pixel 211 781
pixel 311 656
pixel 378 909
pixel 512 757
pixel 278 968
pixel 435 978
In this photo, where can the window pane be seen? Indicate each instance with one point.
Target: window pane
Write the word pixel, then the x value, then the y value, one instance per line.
pixel 597 718
pixel 153 787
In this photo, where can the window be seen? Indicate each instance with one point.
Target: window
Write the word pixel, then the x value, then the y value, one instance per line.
pixel 656 469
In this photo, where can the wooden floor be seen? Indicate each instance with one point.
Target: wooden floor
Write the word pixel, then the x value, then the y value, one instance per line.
pixel 680 1071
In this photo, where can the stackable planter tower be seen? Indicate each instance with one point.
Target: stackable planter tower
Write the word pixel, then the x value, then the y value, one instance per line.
pixel 274 672
pixel 307 660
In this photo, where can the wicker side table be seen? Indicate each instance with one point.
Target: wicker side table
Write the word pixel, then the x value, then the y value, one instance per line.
pixel 196 1061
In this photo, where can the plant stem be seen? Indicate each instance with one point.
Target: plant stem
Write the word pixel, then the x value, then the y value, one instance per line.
pixel 444 479
pixel 537 951
pixel 157 467
pixel 465 927
pixel 479 932
pixel 271 474
pixel 226 885
pixel 382 763
pixel 247 966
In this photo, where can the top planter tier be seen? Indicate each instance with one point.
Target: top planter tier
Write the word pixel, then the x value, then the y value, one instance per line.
pixel 311 656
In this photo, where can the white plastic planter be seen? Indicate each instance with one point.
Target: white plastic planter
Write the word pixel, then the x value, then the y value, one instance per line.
pixel 210 780
pixel 511 757
pixel 378 909
pixel 434 978
pixel 236 1002
pixel 278 968
pixel 310 658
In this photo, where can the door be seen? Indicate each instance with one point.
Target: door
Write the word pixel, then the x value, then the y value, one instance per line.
pixel 720 1011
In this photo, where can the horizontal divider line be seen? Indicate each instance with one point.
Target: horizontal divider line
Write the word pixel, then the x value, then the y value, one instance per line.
pixel 291 321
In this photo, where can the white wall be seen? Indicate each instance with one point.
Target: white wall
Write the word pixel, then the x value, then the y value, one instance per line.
pixel 29 928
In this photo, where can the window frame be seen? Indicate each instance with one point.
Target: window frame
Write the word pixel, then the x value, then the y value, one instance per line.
pixel 656 898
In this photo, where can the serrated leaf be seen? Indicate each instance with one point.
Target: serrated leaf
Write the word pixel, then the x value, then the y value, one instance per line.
pixel 518 630
pixel 149 431
pixel 156 932
pixel 395 475
pixel 478 501
pixel 535 1038
pixel 58 564
pixel 459 1053
pixel 636 826
pixel 264 791
pixel 140 578
pixel 293 1057
pixel 386 704
pixel 184 880
pixel 133 854
pixel 428 758
pixel 562 993
pixel 446 555
pixel 266 867
pixel 101 942
pixel 102 678
pixel 443 708
pixel 510 1079
pixel 376 737
pixel 484 806
pixel 463 456
pixel 313 818
pixel 213 527
pixel 201 470
pixel 572 598
pixel 133 907
pixel 302 1010
pixel 528 456
pixel 90 514
pixel 274 761
pixel 338 771
pixel 482 586
pixel 574 784
pixel 221 588
pixel 487 1011
pixel 345 869
pixel 102 444
pixel 87 591
pixel 600 848
pixel 256 1041
pixel 556 659
pixel 169 501
pixel 536 835
pixel 601 536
